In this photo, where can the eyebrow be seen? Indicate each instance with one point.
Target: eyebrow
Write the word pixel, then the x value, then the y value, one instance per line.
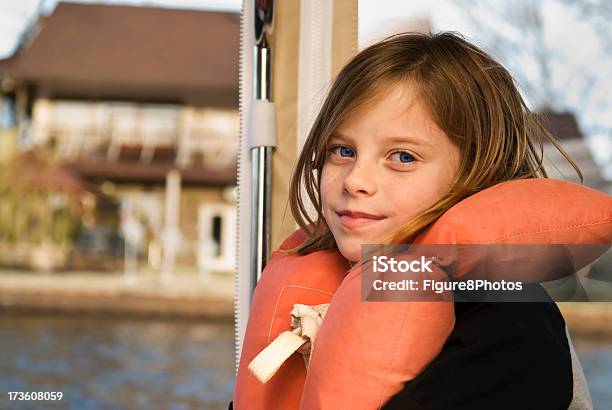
pixel 395 139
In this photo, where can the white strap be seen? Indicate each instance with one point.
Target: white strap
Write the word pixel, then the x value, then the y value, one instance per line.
pixel 305 321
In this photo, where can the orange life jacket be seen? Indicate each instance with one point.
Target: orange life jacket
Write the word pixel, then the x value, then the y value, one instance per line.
pixel 365 351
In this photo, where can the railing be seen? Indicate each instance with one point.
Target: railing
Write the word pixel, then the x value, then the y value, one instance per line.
pixel 78 128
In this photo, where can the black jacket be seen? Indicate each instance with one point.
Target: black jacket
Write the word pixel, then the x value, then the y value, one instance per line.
pixel 512 355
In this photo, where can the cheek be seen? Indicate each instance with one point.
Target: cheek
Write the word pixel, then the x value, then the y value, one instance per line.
pixel 412 198
pixel 328 184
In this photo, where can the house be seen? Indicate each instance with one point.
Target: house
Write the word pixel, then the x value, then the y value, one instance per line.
pixel 142 101
pixel 564 127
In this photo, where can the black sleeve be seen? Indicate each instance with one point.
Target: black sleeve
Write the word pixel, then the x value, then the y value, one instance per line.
pixel 502 355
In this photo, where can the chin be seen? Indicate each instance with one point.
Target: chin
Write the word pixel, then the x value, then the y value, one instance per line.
pixel 351 253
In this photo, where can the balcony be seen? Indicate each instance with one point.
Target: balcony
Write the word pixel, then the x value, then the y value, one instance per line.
pixel 139 142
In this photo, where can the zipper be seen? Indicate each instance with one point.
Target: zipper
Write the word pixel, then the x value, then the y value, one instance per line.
pixel 239 306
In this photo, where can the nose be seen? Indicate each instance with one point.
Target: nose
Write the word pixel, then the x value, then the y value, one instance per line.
pixel 360 180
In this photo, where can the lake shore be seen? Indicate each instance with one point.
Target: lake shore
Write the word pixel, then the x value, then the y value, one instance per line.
pixel 187 296
pixel 588 320
pixel 146 294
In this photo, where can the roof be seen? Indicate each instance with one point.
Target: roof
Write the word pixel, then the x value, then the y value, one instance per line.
pixel 7 64
pixel 562 125
pixel 152 173
pixel 120 51
pixel 129 169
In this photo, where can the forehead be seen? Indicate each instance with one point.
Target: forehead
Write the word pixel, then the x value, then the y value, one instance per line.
pixel 395 112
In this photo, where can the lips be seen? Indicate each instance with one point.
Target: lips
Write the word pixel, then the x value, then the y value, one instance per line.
pixel 357 214
pixel 352 219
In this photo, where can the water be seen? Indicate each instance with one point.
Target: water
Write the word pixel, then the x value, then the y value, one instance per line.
pixel 596 360
pixel 109 364
pixel 148 364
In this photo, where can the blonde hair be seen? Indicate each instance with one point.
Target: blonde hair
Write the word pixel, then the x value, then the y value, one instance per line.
pixel 470 96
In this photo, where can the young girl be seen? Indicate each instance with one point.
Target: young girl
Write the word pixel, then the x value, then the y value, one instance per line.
pixel 411 126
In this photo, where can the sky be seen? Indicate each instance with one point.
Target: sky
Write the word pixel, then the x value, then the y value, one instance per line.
pixel 579 59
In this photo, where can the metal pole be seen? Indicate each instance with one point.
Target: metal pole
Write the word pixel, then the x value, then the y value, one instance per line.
pixel 261 155
pixel 257 140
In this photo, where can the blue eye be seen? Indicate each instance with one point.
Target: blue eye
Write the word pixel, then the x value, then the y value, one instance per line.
pixel 404 156
pixel 344 151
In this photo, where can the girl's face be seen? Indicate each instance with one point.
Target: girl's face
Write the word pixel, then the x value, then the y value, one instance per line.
pixel 389 161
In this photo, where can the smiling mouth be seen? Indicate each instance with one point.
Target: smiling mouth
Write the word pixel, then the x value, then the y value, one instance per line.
pixel 351 222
